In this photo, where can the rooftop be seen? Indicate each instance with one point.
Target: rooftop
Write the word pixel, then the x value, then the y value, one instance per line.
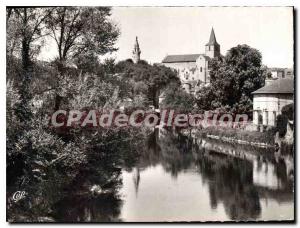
pixel 212 38
pixel 280 86
pixel 183 58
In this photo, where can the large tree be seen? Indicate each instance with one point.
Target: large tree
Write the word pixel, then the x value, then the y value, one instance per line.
pixel 233 79
pixel 176 98
pixel 80 32
pixel 148 79
pixel 25 28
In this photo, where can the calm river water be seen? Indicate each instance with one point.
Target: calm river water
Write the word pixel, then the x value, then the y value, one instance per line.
pixel 177 178
pixel 178 181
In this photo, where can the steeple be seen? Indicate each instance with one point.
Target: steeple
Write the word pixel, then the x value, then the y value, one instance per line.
pixel 212 38
pixel 136 53
pixel 212 48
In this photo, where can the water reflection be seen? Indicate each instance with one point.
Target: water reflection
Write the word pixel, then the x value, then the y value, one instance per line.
pixel 238 184
pixel 178 178
pixel 103 208
pixel 230 181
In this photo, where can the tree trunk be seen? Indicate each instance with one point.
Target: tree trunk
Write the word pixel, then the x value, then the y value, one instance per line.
pixel 58 100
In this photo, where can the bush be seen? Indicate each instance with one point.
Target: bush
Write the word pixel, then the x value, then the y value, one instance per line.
pixel 238 134
pixel 281 123
pixel 288 111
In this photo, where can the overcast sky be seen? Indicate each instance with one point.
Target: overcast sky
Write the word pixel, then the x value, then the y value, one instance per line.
pixel 186 30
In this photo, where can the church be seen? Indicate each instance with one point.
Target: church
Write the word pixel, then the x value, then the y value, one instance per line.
pixel 193 69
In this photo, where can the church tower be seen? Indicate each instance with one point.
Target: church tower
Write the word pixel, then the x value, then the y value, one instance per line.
pixel 136 53
pixel 212 48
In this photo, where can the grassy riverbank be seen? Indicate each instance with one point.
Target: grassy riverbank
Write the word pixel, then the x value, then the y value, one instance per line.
pixel 239 134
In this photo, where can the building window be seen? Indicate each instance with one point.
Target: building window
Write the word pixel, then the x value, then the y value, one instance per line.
pixel 200 69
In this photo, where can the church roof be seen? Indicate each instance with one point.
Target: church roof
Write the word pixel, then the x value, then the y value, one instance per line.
pixel 279 86
pixel 212 38
pixel 183 58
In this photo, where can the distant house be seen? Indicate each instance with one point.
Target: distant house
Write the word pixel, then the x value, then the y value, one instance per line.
pixel 279 73
pixel 269 100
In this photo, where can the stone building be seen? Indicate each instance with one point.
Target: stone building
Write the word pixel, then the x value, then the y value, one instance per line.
pixel 269 100
pixel 193 69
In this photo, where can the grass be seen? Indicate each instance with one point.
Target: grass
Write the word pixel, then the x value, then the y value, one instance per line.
pixel 240 134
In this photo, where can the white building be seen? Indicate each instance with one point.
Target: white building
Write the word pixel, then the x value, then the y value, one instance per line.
pixel 269 100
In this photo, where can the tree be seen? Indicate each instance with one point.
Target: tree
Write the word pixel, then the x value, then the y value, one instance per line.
pixel 154 77
pixel 49 163
pixel 234 78
pixel 26 27
pixel 202 102
pixel 78 30
pixel 176 98
pixel 81 31
pixel 288 111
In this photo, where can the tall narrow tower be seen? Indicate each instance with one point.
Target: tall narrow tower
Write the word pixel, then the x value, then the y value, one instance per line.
pixel 136 53
pixel 212 48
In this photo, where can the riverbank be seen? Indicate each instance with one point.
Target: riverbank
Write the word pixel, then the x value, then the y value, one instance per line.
pixel 239 136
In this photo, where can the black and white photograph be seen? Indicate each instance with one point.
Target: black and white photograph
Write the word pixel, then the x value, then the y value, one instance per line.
pixel 150 114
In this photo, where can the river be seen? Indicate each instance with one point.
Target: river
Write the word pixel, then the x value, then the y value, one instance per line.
pixel 177 182
pixel 177 178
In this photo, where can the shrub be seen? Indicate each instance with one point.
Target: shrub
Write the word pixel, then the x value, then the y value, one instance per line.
pixel 281 122
pixel 288 111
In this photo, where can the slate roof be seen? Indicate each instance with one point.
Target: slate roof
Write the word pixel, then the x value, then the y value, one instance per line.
pixel 280 86
pixel 212 38
pixel 181 58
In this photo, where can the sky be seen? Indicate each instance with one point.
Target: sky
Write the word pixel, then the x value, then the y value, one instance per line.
pixel 186 30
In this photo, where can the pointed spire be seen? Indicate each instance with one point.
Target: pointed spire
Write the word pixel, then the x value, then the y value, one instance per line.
pixel 212 48
pixel 136 51
pixel 212 38
pixel 136 45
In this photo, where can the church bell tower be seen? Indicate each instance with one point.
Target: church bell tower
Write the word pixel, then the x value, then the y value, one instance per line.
pixel 212 48
pixel 136 53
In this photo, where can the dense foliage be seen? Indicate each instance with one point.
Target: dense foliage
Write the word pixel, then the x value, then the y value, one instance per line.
pixel 46 163
pixel 149 80
pixel 175 97
pixel 233 79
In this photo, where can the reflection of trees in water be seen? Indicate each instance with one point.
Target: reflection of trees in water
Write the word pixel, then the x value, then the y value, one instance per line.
pixel 86 208
pixel 80 204
pixel 283 191
pixel 229 179
pixel 102 172
pixel 171 150
pixel 136 179
pixel 230 182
